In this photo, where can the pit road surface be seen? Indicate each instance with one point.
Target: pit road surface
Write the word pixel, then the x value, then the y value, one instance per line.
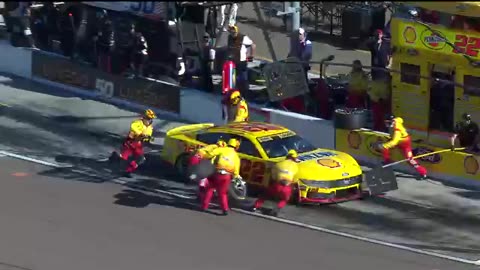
pixel 76 218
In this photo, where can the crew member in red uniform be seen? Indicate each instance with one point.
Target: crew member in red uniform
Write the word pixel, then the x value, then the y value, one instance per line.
pixel 201 154
pixel 141 130
pixel 283 174
pixel 379 94
pixel 401 139
pixel 227 166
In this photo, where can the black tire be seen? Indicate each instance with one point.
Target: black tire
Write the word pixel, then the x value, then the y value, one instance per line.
pixel 181 166
pixel 295 199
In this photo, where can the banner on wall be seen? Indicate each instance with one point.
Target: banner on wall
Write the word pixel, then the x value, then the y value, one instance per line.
pixel 150 9
pixel 163 96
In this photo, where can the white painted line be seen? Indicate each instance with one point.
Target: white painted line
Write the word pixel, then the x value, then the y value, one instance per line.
pixel 34 160
pixel 281 220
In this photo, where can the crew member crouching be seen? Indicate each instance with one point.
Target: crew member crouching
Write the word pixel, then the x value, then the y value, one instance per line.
pixel 141 130
pixel 401 139
pixel 204 153
pixel 283 174
pixel 237 108
pixel 227 167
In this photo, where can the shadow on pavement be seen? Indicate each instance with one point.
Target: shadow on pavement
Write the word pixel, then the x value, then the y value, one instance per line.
pixel 474 195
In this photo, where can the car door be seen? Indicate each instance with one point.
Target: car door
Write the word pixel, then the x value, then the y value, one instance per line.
pixel 253 169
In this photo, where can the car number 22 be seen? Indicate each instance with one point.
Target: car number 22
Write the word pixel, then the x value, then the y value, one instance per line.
pixel 253 171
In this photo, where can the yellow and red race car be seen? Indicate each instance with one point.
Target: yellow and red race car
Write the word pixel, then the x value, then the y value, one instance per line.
pixel 324 176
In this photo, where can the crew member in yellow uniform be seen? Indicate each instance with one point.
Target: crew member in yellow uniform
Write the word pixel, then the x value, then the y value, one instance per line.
pixel 227 167
pixel 379 93
pixel 401 139
pixel 283 174
pixel 204 153
pixel 141 130
pixel 357 86
pixel 237 108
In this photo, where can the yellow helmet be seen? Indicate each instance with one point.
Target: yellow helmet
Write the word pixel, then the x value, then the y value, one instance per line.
pixel 150 114
pixel 235 96
pixel 234 143
pixel 292 154
pixel 233 28
pixel 221 143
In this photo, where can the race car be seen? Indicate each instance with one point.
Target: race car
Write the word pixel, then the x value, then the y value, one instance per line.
pixel 324 176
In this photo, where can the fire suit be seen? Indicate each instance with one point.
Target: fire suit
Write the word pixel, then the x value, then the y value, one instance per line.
pixel 238 112
pixel 139 132
pixel 380 97
pixel 202 153
pixel 227 164
pixel 283 174
pixel 402 140
pixel 357 88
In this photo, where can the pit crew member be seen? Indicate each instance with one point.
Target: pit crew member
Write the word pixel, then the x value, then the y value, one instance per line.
pixel 227 167
pixel 141 130
pixel 357 86
pixel 401 139
pixel 280 187
pixel 204 153
pixel 467 133
pixel 237 108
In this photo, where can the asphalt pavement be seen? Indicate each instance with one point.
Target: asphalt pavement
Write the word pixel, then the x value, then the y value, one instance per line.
pixel 79 217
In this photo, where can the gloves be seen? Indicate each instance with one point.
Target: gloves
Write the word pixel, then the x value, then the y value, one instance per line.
pixel 249 58
pixel 148 139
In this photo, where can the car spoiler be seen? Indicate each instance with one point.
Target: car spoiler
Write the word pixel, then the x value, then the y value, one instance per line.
pixel 188 128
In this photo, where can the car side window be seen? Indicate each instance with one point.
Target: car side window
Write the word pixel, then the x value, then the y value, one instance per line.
pixel 247 147
pixel 212 138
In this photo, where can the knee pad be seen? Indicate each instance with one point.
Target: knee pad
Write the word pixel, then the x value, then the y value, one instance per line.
pixel 141 160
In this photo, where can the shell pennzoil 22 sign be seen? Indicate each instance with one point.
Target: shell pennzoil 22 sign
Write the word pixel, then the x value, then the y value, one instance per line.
pixel 411 34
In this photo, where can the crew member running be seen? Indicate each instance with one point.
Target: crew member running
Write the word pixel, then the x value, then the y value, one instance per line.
pixel 401 139
pixel 141 130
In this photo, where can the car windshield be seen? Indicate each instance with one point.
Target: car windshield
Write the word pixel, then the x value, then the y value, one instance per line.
pixel 278 147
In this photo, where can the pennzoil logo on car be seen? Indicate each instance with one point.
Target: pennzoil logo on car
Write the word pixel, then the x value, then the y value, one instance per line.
pixel 433 41
pixel 435 158
pixel 329 163
pixel 316 155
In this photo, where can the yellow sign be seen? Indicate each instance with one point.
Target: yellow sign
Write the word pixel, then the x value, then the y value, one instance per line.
pixel 362 144
pixel 418 36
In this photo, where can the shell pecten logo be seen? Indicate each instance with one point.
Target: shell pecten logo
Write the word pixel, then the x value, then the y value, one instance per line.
pixel 354 139
pixel 470 165
pixel 330 163
pixel 410 35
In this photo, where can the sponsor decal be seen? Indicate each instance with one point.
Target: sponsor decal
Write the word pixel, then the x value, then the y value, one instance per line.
pixel 470 164
pixel 435 158
pixel 354 139
pixel 433 41
pixel 410 35
pixel 316 155
pixel 329 163
pixel 373 144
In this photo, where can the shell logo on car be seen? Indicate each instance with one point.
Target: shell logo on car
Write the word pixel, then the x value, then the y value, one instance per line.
pixel 471 165
pixel 354 139
pixel 410 35
pixel 330 163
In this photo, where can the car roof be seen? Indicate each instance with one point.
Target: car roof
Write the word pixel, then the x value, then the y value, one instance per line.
pixel 254 129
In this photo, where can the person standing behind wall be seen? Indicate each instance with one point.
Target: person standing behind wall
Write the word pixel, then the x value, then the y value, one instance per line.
pixel 380 55
pixel 302 49
pixel 105 43
pixel 125 39
pixel 232 16
pixel 357 86
pixel 19 19
pixel 242 48
pixel 380 96
pixel 140 54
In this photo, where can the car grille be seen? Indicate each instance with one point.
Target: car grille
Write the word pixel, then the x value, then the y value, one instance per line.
pixel 346 192
pixel 334 184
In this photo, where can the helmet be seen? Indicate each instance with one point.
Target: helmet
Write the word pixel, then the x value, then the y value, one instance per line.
pixel 234 143
pixel 466 117
pixel 233 28
pixel 235 96
pixel 221 143
pixel 292 154
pixel 149 114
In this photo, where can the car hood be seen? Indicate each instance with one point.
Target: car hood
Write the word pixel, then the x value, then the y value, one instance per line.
pixel 327 165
